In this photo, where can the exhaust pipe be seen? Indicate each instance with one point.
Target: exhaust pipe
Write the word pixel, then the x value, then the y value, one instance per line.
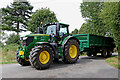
pixel 39 29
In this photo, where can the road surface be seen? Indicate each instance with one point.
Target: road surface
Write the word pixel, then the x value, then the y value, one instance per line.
pixel 86 67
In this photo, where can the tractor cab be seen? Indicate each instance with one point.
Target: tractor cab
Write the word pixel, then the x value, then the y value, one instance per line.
pixel 56 30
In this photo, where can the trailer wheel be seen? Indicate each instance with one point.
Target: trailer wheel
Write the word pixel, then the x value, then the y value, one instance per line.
pixel 94 54
pixel 89 54
pixel 23 62
pixel 109 53
pixel 104 54
pixel 41 57
pixel 71 51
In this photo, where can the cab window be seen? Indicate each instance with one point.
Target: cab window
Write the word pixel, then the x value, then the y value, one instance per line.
pixel 51 29
pixel 63 30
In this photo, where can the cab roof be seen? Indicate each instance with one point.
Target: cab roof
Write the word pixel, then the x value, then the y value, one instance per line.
pixel 55 23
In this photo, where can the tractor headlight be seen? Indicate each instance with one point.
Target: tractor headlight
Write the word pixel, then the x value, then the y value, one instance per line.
pixel 24 38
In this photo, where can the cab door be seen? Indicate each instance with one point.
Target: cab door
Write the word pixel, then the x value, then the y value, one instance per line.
pixel 63 32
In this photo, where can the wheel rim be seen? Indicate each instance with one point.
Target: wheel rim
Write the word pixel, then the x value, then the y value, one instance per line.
pixel 44 57
pixel 26 59
pixel 73 51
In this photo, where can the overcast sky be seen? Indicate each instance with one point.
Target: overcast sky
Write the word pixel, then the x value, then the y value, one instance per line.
pixel 67 11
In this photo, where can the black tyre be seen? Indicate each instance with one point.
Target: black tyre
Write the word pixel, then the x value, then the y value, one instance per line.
pixel 109 53
pixel 41 57
pixel 71 51
pixel 89 54
pixel 23 62
pixel 56 60
pixel 104 53
pixel 94 54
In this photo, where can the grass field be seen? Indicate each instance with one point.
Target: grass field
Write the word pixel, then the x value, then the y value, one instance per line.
pixel 7 54
pixel 113 61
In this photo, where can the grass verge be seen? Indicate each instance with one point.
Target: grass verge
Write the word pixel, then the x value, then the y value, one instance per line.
pixel 113 61
pixel 7 62
pixel 7 54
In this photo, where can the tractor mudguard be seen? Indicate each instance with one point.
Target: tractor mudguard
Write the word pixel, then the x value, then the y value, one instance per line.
pixel 51 45
pixel 66 40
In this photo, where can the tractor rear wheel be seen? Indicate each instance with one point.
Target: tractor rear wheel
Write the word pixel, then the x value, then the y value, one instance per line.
pixel 41 57
pixel 71 51
pixel 23 62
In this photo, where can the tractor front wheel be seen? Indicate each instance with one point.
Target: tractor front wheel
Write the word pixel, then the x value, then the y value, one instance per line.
pixel 71 51
pixel 41 56
pixel 23 62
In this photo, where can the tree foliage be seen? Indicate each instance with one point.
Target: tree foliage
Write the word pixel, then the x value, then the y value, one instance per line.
pixel 13 38
pixel 75 31
pixel 42 15
pixel 111 20
pixel 15 15
pixel 90 11
pixel 1 44
pixel 84 29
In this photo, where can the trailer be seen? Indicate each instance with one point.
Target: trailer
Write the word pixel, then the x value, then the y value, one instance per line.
pixel 93 44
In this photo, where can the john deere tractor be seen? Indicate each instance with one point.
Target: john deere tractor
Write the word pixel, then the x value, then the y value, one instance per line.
pixel 53 43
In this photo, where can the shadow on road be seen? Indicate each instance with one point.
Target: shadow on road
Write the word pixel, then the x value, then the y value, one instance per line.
pixel 98 57
pixel 82 60
pixel 61 64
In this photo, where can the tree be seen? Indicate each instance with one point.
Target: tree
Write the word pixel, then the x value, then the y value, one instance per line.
pixel 3 35
pixel 75 31
pixel 15 15
pixel 111 20
pixel 13 38
pixel 1 44
pixel 42 15
pixel 84 29
pixel 90 11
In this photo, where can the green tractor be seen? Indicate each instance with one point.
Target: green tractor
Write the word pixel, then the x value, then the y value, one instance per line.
pixel 54 43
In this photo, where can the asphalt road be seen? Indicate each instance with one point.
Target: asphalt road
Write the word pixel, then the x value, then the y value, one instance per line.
pixel 86 67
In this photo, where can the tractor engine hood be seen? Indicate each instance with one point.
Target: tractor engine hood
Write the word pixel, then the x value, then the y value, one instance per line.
pixel 35 35
pixel 27 39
